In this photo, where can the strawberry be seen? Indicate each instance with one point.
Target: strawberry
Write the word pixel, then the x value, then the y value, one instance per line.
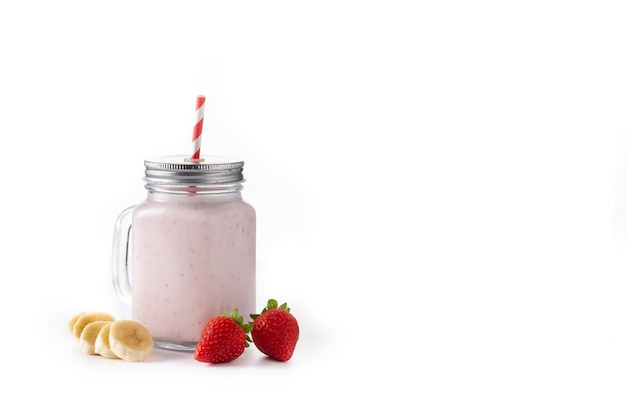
pixel 223 339
pixel 275 331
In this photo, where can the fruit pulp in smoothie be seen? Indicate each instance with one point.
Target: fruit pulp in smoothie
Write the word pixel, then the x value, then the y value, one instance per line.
pixel 193 258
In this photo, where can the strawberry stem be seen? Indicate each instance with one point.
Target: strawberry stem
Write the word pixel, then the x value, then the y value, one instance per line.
pixel 271 304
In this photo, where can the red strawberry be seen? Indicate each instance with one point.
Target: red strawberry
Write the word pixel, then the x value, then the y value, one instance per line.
pixel 275 331
pixel 223 339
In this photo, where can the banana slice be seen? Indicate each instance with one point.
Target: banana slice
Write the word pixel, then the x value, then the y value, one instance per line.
pixel 86 318
pixel 103 348
pixel 73 321
pixel 130 340
pixel 87 340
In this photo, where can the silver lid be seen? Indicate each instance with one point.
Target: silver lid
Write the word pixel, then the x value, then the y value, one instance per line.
pixel 173 170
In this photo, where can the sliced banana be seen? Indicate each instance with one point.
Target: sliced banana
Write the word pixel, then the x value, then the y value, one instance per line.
pixel 103 348
pixel 86 318
pixel 73 321
pixel 87 340
pixel 130 340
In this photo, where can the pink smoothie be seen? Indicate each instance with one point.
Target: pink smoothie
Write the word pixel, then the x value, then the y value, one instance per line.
pixel 193 258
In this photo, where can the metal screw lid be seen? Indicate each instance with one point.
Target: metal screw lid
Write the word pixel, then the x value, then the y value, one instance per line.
pixel 178 169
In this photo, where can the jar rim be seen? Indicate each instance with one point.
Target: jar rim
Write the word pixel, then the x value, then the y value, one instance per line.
pixel 179 169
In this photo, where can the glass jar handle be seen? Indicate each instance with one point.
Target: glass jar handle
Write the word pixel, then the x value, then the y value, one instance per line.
pixel 121 256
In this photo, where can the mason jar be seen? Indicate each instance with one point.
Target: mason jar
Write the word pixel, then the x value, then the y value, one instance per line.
pixel 186 253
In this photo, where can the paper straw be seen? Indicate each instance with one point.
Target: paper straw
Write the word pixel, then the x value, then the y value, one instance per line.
pixel 196 140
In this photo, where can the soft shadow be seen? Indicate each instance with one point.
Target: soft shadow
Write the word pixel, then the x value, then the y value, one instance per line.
pixel 250 358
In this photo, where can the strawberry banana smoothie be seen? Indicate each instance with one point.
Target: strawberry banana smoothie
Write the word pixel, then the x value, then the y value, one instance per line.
pixel 193 249
pixel 192 260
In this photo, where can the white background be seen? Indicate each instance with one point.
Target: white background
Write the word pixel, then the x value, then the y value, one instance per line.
pixel 439 191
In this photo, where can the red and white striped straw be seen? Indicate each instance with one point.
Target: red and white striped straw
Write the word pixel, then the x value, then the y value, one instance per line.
pixel 196 141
